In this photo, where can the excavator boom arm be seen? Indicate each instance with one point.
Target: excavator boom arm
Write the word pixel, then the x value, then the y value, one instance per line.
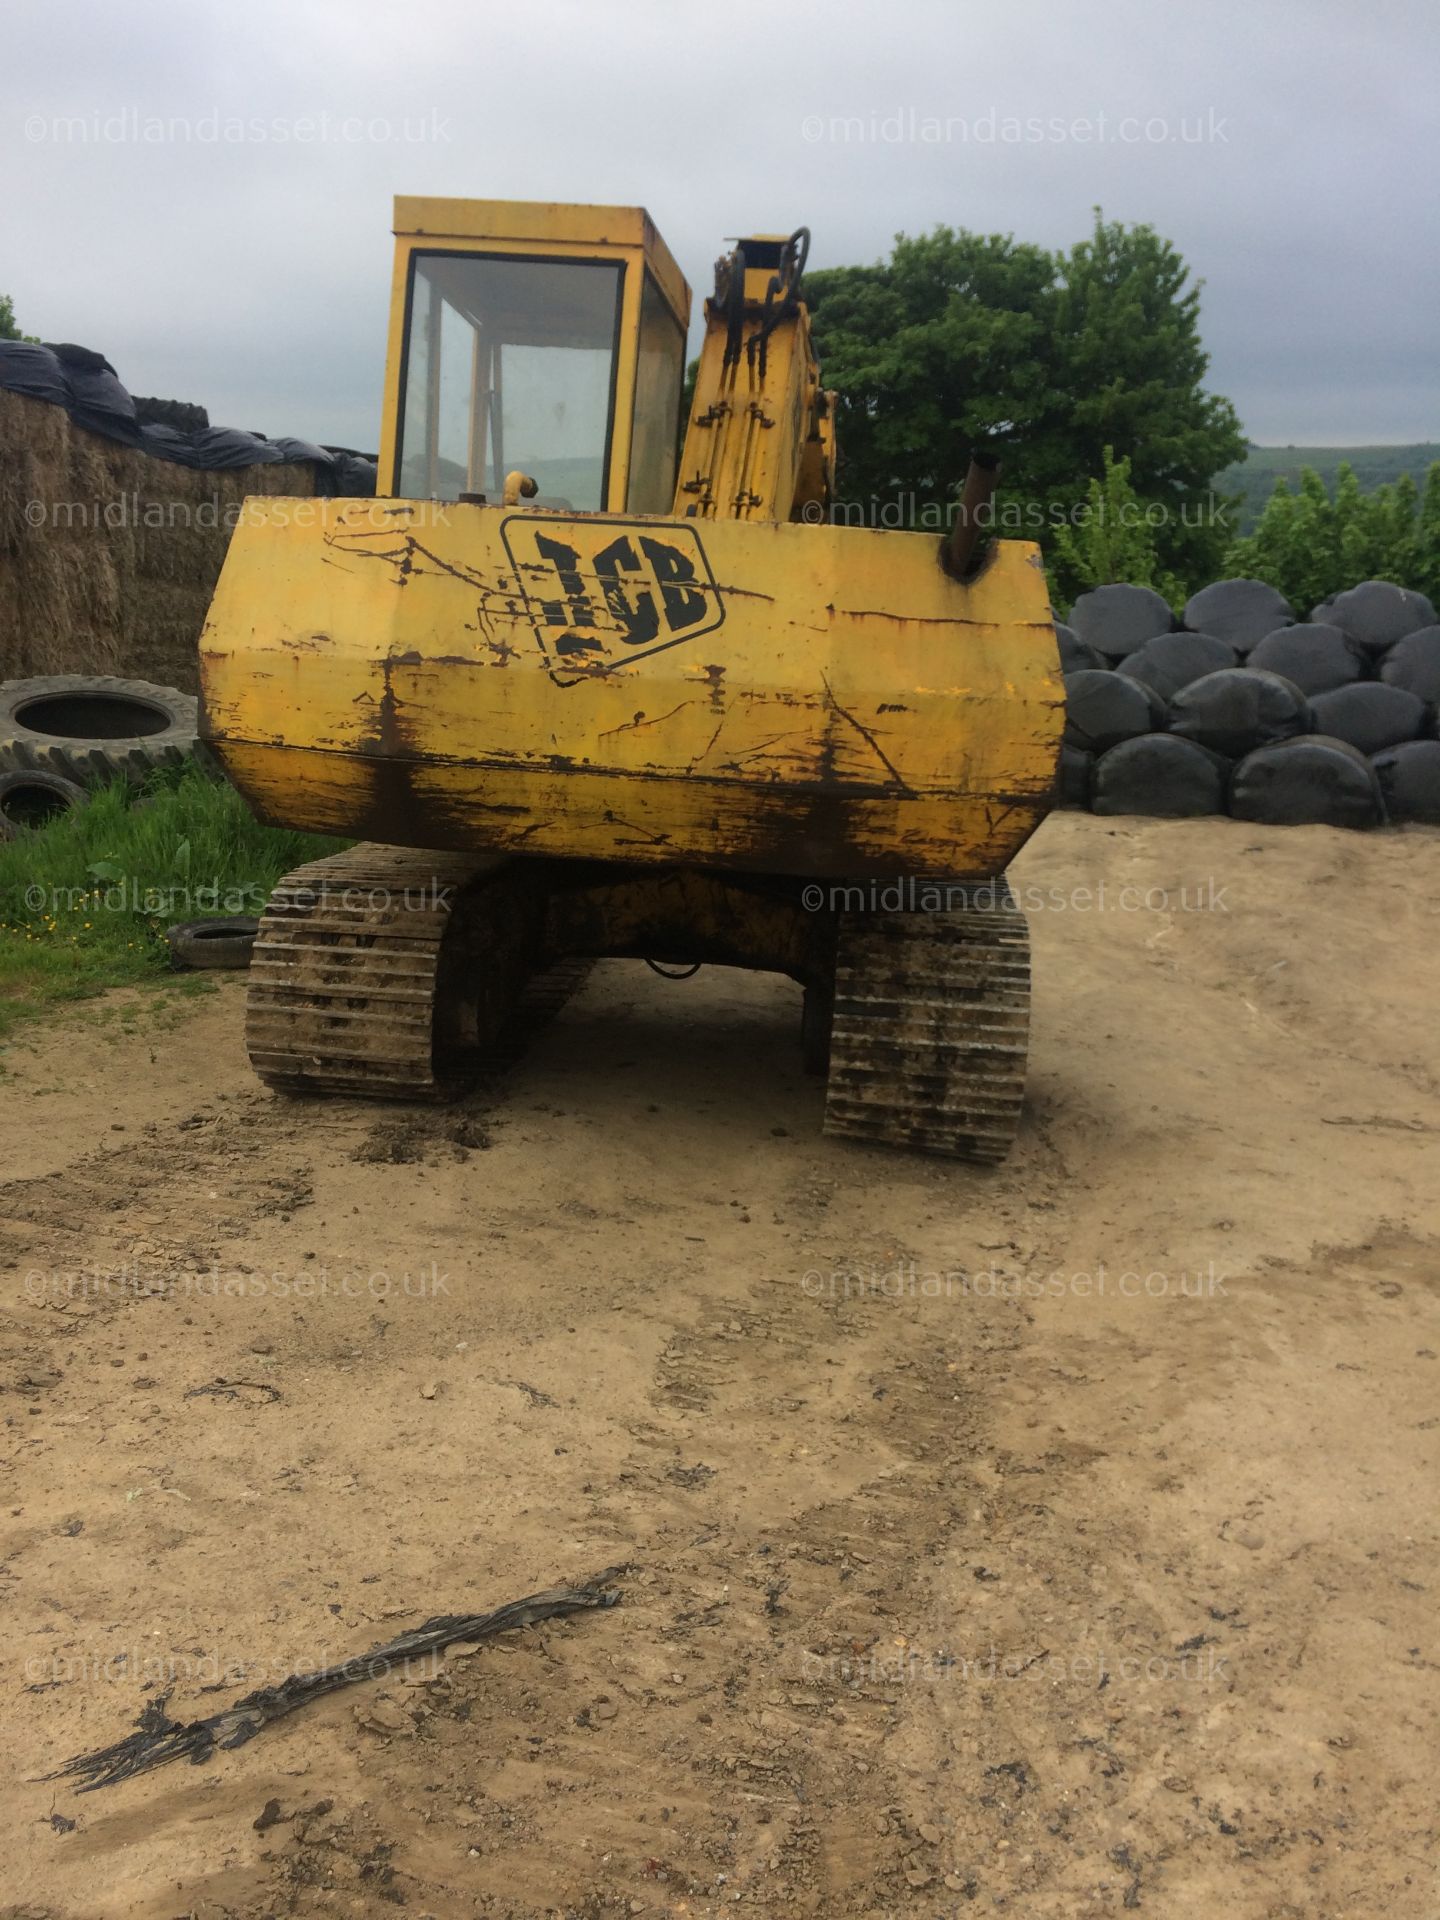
pixel 760 442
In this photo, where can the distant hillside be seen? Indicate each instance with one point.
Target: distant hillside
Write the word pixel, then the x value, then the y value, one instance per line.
pixel 1254 477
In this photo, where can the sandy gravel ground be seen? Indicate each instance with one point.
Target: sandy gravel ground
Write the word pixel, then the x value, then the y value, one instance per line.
pixel 1059 1541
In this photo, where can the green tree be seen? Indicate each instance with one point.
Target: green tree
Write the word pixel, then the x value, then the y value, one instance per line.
pixel 1131 369
pixel 963 339
pixel 1311 546
pixel 1111 538
pixel 935 351
pixel 1395 531
pixel 1427 537
pixel 8 328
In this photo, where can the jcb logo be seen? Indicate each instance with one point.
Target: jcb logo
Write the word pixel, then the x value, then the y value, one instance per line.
pixel 602 591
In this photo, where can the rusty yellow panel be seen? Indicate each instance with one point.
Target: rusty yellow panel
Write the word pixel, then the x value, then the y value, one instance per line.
pixel 772 697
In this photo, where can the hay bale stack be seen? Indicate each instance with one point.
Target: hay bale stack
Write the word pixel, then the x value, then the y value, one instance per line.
pixel 109 556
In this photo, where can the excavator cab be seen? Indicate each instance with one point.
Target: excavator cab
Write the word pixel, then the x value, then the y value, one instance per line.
pixel 544 340
pixel 577 700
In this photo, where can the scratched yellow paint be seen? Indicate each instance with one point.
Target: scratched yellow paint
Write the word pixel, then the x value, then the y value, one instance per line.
pixel 774 696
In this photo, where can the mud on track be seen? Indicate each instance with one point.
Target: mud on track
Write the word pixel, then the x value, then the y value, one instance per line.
pixel 1056 1541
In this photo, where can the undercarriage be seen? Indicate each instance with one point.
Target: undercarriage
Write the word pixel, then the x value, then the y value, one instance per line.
pixel 397 974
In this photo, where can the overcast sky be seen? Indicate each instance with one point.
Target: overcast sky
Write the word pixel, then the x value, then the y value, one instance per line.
pixel 1291 151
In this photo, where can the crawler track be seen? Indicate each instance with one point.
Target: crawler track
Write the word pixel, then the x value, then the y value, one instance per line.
pixel 397 975
pixel 345 982
pixel 401 975
pixel 931 1024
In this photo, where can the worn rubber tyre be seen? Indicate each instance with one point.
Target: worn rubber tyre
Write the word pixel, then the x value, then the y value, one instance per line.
pixel 93 729
pixel 32 799
pixel 213 943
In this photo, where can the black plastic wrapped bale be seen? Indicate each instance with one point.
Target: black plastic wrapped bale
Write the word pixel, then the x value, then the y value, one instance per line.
pixel 85 384
pixel 214 449
pixel 1409 777
pixel 185 416
pixel 1317 657
pixel 34 371
pixel 1370 715
pixel 1160 775
pixel 355 475
pixel 1238 709
pixel 98 402
pixel 1073 785
pixel 1103 708
pixel 1173 660
pixel 290 448
pixel 1307 783
pixel 1239 611
pixel 1377 613
pixel 1414 663
pixel 1076 654
pixel 1116 620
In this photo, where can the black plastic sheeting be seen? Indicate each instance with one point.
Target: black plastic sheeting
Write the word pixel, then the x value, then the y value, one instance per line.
pixel 1103 708
pixel 1161 775
pixel 1409 777
pixel 86 385
pixel 1310 781
pixel 1317 657
pixel 1331 721
pixel 1172 661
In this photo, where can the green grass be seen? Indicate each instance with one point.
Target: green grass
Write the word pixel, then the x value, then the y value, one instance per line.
pixel 85 899
pixel 1254 477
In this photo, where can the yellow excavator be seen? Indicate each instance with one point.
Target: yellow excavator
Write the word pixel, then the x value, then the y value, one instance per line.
pixel 583 689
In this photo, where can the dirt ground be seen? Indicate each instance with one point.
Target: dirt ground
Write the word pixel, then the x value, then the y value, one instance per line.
pixel 1056 1541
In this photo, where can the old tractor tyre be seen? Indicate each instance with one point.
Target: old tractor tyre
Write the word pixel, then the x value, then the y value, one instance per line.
pixel 92 728
pixel 213 943
pixel 30 799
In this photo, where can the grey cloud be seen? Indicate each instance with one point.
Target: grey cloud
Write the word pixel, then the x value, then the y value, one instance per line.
pixel 253 274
